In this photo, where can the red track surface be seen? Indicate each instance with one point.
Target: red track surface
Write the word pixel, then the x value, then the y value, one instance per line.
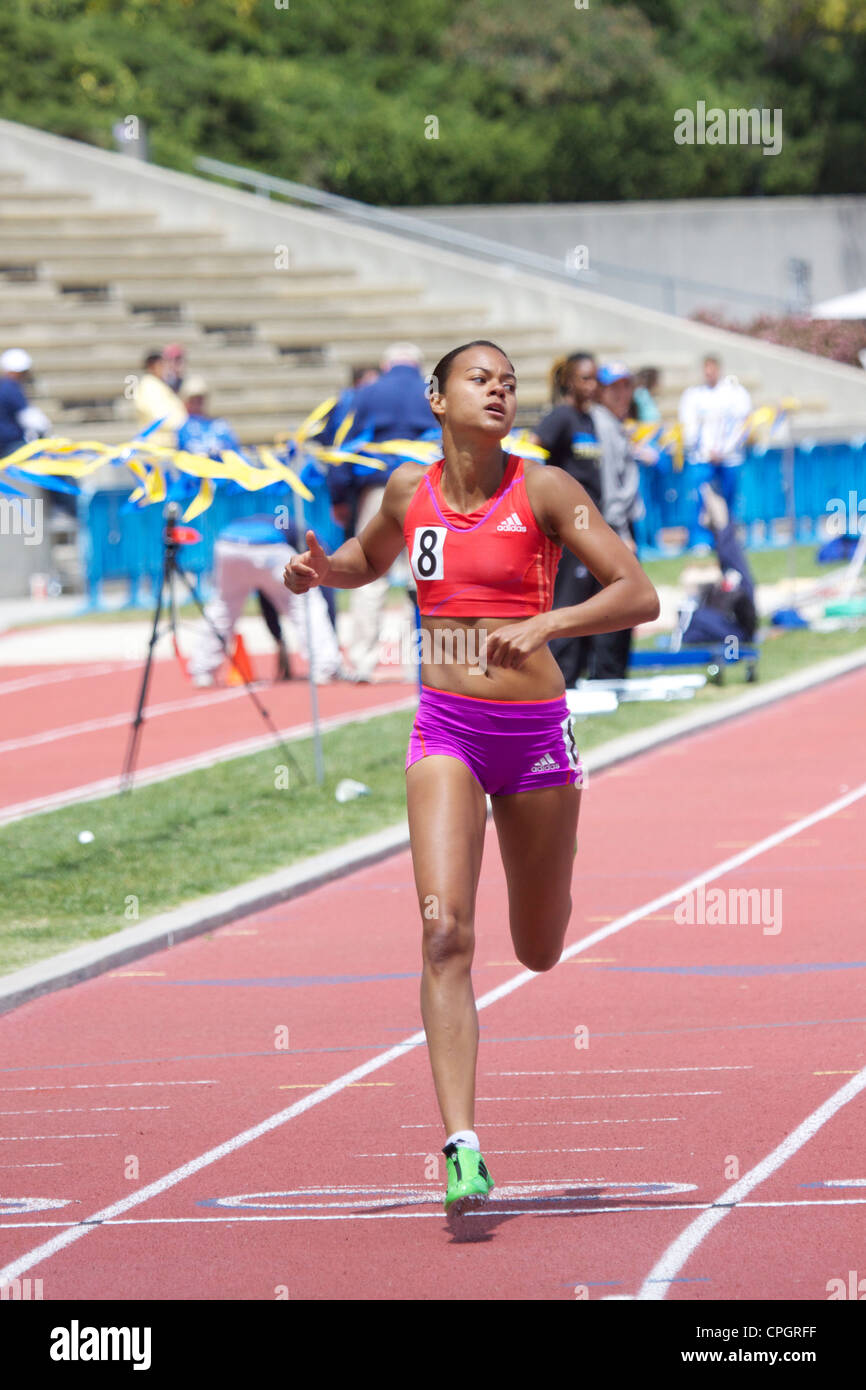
pixel 707 1044
pixel 63 727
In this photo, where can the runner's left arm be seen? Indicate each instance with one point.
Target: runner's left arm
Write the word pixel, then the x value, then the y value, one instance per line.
pixel 567 514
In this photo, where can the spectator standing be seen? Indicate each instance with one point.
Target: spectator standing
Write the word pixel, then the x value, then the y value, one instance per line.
pixel 621 502
pixel 568 434
pixel 155 400
pixel 394 407
pixel 342 509
pixel 713 417
pixel 644 407
pixel 200 432
pixel 15 363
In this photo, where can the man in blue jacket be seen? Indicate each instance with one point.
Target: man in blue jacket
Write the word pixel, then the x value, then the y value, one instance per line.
pixel 14 364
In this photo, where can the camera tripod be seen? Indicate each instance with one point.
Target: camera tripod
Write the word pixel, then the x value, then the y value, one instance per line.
pixel 173 537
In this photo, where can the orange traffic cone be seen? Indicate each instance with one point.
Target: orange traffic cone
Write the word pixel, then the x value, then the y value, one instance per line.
pixel 181 659
pixel 240 669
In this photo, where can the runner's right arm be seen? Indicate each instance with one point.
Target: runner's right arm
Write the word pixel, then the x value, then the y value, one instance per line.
pixel 363 558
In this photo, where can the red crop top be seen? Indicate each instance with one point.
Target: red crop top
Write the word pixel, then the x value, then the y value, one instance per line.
pixel 494 562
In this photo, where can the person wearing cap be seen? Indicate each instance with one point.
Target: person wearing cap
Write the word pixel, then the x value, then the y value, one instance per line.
pixel 394 407
pixel 201 433
pixel 155 400
pixel 621 502
pixel 15 363
pixel 174 357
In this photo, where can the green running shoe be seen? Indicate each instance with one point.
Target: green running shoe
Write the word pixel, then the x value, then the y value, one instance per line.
pixel 469 1182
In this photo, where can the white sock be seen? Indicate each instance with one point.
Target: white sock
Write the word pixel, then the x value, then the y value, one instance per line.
pixel 465 1136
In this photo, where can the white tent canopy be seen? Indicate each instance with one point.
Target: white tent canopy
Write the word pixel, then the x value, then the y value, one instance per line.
pixel 844 306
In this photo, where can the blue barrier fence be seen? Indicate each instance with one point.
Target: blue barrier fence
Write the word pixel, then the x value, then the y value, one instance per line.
pixel 824 476
pixel 122 543
pixel 125 544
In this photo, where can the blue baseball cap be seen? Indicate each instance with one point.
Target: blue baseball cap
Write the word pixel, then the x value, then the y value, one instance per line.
pixel 609 372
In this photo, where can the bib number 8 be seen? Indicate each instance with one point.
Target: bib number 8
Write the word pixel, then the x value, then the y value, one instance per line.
pixel 427 552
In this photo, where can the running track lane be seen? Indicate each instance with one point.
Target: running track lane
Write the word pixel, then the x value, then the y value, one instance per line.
pixel 63 728
pixel 708 1047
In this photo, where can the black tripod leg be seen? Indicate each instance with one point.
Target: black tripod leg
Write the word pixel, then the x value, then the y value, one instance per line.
pixel 175 569
pixel 135 732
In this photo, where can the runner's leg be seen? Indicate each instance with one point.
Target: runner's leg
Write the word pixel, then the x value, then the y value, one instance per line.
pixel 537 832
pixel 447 817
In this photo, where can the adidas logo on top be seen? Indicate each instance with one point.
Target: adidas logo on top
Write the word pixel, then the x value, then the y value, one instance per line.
pixel 545 764
pixel 511 523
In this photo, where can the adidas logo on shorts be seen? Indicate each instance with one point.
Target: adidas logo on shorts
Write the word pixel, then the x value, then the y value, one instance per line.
pixel 545 764
pixel 512 523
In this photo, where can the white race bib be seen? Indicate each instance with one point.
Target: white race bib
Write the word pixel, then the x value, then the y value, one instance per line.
pixel 427 558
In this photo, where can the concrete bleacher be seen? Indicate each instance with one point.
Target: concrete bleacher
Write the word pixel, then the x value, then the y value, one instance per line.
pixel 103 258
pixel 94 276
pixel 87 291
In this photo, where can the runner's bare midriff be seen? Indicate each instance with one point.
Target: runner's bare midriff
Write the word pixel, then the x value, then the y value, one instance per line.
pixel 453 660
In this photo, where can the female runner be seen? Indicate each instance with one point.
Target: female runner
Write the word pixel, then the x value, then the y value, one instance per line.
pixel 484 533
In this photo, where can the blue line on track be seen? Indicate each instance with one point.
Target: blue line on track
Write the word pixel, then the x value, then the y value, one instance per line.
pixel 835 1182
pixel 371 1046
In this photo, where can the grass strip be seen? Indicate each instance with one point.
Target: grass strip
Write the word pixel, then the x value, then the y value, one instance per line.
pixel 205 831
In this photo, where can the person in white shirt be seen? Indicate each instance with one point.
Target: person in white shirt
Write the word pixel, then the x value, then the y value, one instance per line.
pixel 713 417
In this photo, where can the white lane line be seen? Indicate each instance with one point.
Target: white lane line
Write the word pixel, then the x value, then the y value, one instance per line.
pixel 51 678
pixel 114 721
pixel 84 1109
pixel 666 1269
pixel 596 1149
pixel 163 772
pixel 494 1208
pixel 516 1124
pixel 624 1095
pixel 106 1085
pixel 617 1071
pixel 28 1138
pixel 501 1209
pixel 44 1251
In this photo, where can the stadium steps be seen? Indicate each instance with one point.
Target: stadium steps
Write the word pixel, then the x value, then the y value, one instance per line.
pixel 89 290
pixel 31 249
pixel 101 287
pixel 430 339
pixel 46 202
pixel 149 266
pixel 309 292
pixel 59 310
pixel 81 222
